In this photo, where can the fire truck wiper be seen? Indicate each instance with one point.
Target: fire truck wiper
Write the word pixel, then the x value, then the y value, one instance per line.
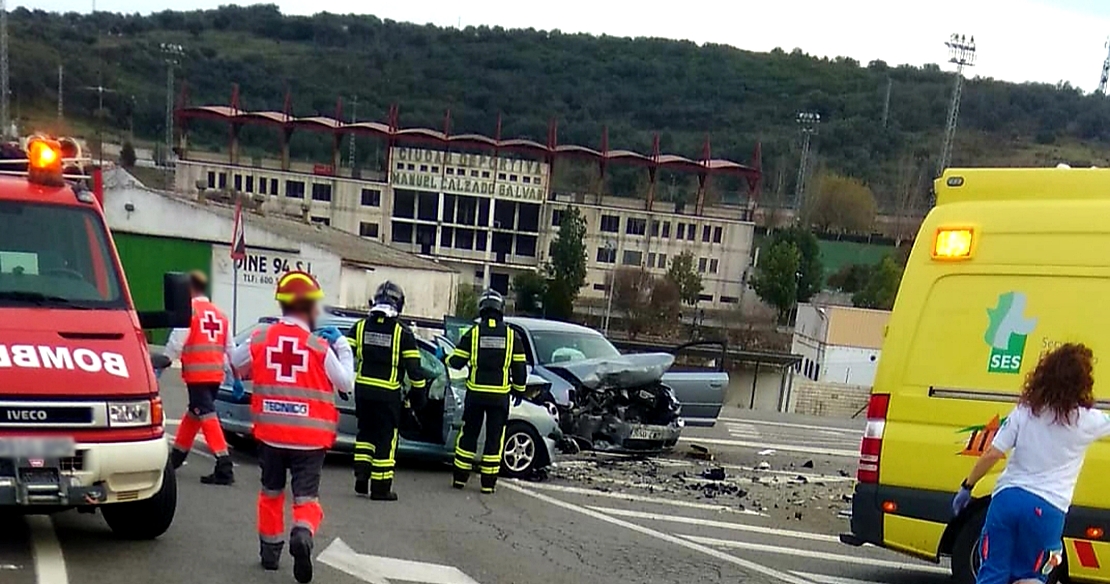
pixel 38 299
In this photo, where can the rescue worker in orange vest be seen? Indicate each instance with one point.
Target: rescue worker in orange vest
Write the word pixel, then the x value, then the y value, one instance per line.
pixel 204 349
pixel 296 374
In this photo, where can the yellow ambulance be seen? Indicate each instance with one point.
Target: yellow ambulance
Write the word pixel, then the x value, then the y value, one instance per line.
pixel 1009 264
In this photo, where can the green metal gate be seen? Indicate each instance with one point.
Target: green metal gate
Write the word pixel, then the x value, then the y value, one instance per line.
pixel 146 258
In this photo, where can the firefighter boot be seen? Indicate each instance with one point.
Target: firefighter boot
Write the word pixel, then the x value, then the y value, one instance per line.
pixel 300 547
pixel 489 483
pixel 460 479
pixel 270 553
pixel 382 490
pixel 177 458
pixel 224 474
pixel 362 479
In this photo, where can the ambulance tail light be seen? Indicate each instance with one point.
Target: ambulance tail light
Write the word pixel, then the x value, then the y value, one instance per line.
pixel 872 444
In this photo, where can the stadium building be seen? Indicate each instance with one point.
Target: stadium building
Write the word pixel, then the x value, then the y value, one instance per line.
pixel 482 205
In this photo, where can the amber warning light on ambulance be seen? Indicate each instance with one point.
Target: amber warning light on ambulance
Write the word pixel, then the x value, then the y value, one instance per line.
pixel 953 244
pixel 44 162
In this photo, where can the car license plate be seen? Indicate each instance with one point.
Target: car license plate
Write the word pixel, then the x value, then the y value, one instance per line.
pixel 38 448
pixel 646 433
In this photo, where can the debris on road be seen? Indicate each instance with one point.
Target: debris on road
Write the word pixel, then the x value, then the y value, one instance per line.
pixel 767 452
pixel 713 474
pixel 808 464
pixel 699 452
pixel 763 465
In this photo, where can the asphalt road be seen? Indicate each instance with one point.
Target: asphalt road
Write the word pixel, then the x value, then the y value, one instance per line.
pixel 549 532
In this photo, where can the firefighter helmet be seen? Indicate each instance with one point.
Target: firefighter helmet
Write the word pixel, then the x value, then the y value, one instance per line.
pixel 390 294
pixel 297 286
pixel 491 301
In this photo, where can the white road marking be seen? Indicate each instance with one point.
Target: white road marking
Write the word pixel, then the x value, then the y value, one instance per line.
pixel 815 555
pixel 742 430
pixel 50 565
pixel 642 499
pixel 825 579
pixel 382 570
pixel 852 431
pixel 740 562
pixel 782 447
pixel 718 524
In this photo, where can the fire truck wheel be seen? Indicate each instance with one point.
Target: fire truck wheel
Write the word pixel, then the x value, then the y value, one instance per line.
pixel 146 519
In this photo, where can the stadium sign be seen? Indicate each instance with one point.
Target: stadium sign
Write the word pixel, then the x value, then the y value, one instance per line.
pixel 468 174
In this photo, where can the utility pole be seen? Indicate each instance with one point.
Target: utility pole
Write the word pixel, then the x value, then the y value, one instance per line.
pixel 100 90
pixel 172 54
pixel 5 97
pixel 60 90
pixel 886 102
pixel 807 124
pixel 961 52
pixel 351 146
pixel 1105 70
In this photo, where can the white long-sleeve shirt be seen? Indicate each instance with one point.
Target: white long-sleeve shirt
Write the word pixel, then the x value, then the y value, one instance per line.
pixel 175 344
pixel 339 363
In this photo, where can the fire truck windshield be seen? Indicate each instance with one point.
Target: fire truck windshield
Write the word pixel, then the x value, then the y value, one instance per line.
pixel 54 255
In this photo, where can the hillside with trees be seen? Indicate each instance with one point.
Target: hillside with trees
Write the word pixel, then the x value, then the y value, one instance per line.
pixel 634 86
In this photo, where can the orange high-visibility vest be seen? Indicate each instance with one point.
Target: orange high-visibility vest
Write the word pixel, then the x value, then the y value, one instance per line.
pixel 292 399
pixel 202 357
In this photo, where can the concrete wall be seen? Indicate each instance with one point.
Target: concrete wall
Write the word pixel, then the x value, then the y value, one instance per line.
pixel 428 294
pixel 768 386
pixel 835 400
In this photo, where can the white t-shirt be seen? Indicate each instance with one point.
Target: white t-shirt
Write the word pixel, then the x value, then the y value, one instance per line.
pixel 1047 456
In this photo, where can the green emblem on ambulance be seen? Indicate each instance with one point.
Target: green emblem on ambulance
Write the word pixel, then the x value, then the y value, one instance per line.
pixel 1007 332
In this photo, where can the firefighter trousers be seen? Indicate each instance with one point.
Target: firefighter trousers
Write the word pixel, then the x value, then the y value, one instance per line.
pixel 493 408
pixel 303 467
pixel 201 417
pixel 379 414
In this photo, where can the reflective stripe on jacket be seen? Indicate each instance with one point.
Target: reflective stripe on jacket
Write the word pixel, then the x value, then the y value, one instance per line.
pixel 203 355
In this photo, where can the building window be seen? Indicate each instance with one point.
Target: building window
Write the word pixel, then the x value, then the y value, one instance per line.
pixel 480 237
pixel 222 180
pixel 680 232
pixel 371 198
pixel 667 229
pixel 368 229
pixel 635 226
pixel 713 266
pixel 610 223
pixel 526 179
pixel 294 189
pixel 690 232
pixel 320 220
pixel 526 245
pixel 717 234
pixel 606 255
pixel 423 168
pixel 464 239
pixel 404 204
pixel 705 298
pixel 435 170
pixel 450 170
pixel 537 181
pixel 513 178
pixel 428 209
pixel 500 176
pixel 651 260
pixel 321 192
pixel 211 179
pixel 485 173
pixel 730 300
pixel 402 232
pixel 654 228
pixel 701 265
pixel 705 233
pixel 250 184
pixel 411 167
pixel 632 257
pixel 400 166
pixel 662 260
pixel 238 182
pixel 528 218
pixel 601 287
pixel 446 235
pixel 556 217
pixel 273 186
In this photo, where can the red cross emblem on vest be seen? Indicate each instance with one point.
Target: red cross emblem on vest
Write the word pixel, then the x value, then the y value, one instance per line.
pixel 287 359
pixel 211 326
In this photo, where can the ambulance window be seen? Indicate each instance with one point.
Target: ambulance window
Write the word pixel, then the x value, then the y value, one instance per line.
pixel 53 254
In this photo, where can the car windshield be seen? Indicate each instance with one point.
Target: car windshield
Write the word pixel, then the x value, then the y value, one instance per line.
pixel 54 255
pixel 565 346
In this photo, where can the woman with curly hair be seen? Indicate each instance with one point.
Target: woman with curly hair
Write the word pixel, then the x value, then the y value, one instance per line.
pixel 1047 436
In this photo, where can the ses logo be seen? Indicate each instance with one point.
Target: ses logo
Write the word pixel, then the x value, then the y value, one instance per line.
pixel 284 408
pixel 1007 332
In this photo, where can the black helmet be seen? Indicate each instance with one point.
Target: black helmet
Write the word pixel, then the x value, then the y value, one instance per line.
pixel 491 301
pixel 390 294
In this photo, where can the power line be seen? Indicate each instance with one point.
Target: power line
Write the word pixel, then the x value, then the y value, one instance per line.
pixel 961 52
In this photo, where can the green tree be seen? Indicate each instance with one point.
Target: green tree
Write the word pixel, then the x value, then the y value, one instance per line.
pixel 632 288
pixel 776 277
pixel 882 287
pixel 840 204
pixel 528 292
pixel 851 278
pixel 685 277
pixel 566 268
pixel 466 302
pixel 127 155
pixel 812 272
pixel 665 305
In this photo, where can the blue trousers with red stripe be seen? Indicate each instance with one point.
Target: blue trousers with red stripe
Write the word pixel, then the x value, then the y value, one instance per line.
pixel 1022 538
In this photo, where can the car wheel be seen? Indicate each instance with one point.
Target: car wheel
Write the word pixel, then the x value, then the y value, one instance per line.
pixel 967 554
pixel 521 452
pixel 146 519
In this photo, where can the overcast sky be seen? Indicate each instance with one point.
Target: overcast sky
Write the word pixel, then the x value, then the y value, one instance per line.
pixel 1018 40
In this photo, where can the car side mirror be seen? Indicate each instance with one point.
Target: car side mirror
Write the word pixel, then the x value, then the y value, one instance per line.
pixel 178 304
pixel 159 361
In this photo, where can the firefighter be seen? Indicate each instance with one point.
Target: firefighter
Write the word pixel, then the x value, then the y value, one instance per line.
pixel 296 374
pixel 204 349
pixel 497 364
pixel 383 348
